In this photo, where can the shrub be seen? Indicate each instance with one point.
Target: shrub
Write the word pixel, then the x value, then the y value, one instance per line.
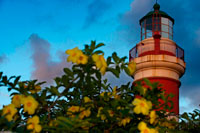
pixel 82 100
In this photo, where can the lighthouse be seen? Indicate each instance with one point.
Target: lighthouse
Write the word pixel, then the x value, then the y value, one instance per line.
pixel 157 57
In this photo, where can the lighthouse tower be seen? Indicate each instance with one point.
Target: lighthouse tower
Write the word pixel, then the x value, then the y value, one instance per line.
pixel 157 56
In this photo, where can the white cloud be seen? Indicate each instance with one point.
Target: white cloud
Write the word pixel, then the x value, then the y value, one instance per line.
pixel 189 98
pixel 45 69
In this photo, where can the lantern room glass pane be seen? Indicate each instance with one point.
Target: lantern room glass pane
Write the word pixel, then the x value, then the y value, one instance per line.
pixel 149 34
pixel 165 28
pixel 170 36
pixel 170 23
pixel 148 21
pixel 143 36
pixel 156 27
pixel 165 21
pixel 142 24
pixel 170 30
pixel 165 35
pixel 156 19
pixel 148 27
pixel 143 31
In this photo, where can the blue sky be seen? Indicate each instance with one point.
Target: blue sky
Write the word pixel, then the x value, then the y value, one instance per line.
pixel 35 33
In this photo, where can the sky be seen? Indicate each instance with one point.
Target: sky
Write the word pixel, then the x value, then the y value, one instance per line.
pixel 34 35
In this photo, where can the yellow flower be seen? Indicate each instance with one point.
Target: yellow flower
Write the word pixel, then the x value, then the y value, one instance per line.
pixel 114 90
pixel 141 106
pixel 100 62
pixel 144 90
pixel 103 93
pixel 76 56
pixel 152 116
pixel 9 111
pixel 103 117
pixel 87 100
pixel 119 107
pixel 114 93
pixel 153 130
pixel 53 123
pixel 73 54
pixel 37 89
pixel 99 111
pixel 16 100
pixel 142 126
pixel 82 59
pixel 85 125
pixel 33 124
pixel 73 109
pixel 131 67
pixel 168 125
pixel 124 121
pixel 85 113
pixel 30 104
pixel 111 113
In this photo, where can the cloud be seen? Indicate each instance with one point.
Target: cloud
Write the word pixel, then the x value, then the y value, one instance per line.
pixel 95 11
pixel 44 68
pixel 129 29
pixel 191 97
pixel 138 9
pixel 3 58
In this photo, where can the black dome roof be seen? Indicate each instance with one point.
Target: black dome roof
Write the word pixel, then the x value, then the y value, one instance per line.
pixel 156 10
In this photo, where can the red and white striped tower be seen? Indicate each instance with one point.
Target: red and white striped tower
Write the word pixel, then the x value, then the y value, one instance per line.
pixel 157 56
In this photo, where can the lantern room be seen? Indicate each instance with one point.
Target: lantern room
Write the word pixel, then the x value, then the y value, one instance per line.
pixel 156 22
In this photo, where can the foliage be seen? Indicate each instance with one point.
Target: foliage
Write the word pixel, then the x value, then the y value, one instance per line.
pixel 82 100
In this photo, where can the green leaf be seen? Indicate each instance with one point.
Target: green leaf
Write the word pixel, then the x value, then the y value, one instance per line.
pixel 13 94
pixel 86 46
pixel 105 81
pixel 147 82
pixel 57 80
pixel 162 97
pixel 127 71
pixel 1 73
pixel 185 116
pixel 108 60
pixel 98 75
pixel 99 45
pixel 98 52
pixel 16 80
pixel 9 89
pixel 40 83
pixel 43 95
pixel 54 90
pixel 123 59
pixel 68 72
pixel 4 80
pixel 92 46
pixel 125 111
pixel 11 78
pixel 115 57
pixel 114 71
pixel 62 121
pixel 171 95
